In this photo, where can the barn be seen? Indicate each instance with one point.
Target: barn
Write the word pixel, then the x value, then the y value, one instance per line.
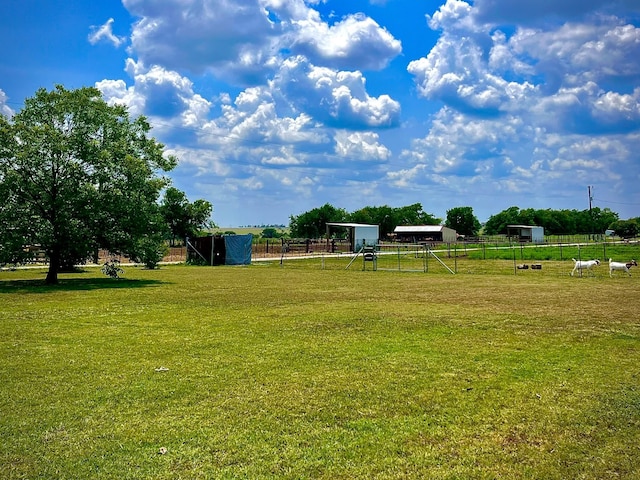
pixel 425 233
pixel 359 234
pixel 525 233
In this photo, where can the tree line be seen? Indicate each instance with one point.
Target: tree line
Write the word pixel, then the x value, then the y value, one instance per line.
pixel 563 222
pixel 312 224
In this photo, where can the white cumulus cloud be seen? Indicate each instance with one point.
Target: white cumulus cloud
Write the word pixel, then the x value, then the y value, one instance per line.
pixel 336 98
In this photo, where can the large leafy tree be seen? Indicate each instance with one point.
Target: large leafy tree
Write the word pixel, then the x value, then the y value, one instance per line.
pixel 600 219
pixel 497 224
pixel 183 218
pixel 383 216
pixel 312 224
pixel 463 221
pixel 77 174
pixel 414 215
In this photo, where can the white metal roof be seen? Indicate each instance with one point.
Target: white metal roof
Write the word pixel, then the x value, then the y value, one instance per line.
pixel 419 228
pixel 522 226
pixel 338 224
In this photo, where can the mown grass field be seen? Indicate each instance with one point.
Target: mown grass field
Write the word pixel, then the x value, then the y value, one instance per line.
pixel 273 371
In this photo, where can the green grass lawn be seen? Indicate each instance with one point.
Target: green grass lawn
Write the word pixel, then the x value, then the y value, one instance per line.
pixel 277 372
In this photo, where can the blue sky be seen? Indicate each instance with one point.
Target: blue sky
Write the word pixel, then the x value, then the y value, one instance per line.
pixel 275 107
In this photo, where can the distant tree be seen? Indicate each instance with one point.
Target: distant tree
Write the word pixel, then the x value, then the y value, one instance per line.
pixel 554 222
pixel 601 219
pixel 414 215
pixel 497 224
pixel 77 174
pixel 269 232
pixel 312 224
pixel 383 216
pixel 625 228
pixel 184 219
pixel 463 221
pixel 527 216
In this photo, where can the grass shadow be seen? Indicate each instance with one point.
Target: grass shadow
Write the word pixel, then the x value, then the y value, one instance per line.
pixel 73 284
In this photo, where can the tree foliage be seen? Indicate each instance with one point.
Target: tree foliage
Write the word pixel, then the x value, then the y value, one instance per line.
pixel 555 222
pixel 183 218
pixel 383 216
pixel 463 221
pixel 389 218
pixel 312 224
pixel 626 228
pixel 414 215
pixel 77 174
pixel 271 232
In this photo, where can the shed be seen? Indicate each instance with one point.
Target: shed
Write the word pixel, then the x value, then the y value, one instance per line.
pixel 526 233
pixel 425 233
pixel 220 249
pixel 360 234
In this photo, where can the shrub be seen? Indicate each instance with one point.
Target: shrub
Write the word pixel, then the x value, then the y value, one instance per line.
pixel 111 268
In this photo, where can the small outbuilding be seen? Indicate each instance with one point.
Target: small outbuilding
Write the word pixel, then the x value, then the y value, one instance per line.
pixel 360 234
pixel 220 249
pixel 525 233
pixel 425 233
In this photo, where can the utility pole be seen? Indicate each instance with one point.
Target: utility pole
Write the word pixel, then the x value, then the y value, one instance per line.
pixel 590 213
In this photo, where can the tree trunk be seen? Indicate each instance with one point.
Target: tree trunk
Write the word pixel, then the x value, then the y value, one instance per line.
pixel 54 266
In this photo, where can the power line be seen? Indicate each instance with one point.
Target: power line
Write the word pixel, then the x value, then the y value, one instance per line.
pixel 616 203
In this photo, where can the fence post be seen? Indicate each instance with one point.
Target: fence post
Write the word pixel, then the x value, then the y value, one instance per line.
pixel 427 256
pixel 579 259
pixel 455 258
pixel 424 258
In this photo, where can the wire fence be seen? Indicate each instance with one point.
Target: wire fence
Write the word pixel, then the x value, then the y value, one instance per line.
pixel 517 259
pixel 486 256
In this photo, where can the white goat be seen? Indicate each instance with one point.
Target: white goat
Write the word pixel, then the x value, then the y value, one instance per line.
pixel 624 267
pixel 584 265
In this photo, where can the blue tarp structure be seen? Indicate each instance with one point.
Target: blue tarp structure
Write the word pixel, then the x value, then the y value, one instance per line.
pixel 238 249
pixel 220 249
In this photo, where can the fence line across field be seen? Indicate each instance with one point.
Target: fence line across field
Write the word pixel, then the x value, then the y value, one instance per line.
pixel 459 258
pixel 462 257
